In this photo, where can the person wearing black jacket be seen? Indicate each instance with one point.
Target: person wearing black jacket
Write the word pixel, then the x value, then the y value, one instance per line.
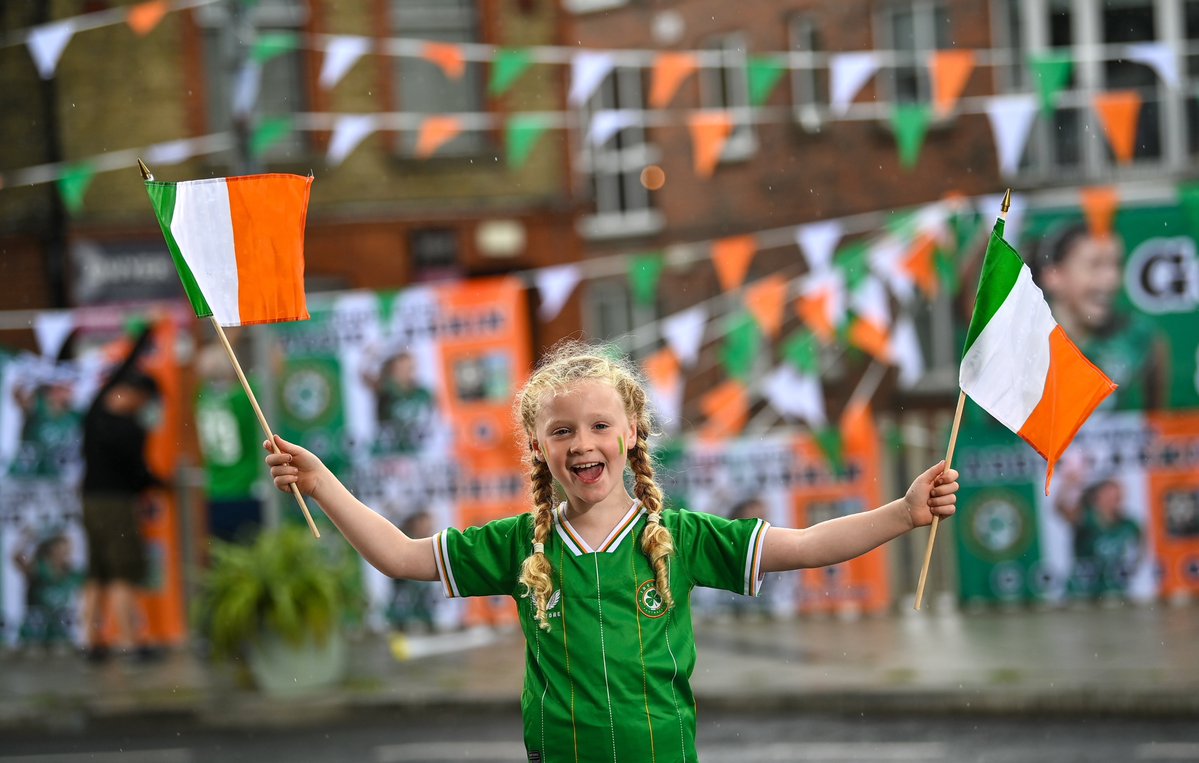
pixel 115 474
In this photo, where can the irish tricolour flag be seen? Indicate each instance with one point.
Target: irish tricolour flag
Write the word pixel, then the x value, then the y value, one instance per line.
pixel 1019 365
pixel 238 244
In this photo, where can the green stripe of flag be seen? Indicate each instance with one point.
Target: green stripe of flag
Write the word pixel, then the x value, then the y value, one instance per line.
pixel 162 198
pixel 1001 268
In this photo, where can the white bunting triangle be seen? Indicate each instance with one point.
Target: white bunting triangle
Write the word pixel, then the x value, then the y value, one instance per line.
pixel 246 86
pixel 170 152
pixel 848 73
pixel 52 329
pixel 348 132
pixel 1157 55
pixel 341 53
pixel 587 71
pixel 668 404
pixel 46 44
pixel 1011 118
pixel 684 332
pixel 819 242
pixel 797 395
pixel 555 285
pixel 871 302
pixel 906 352
pixel 606 123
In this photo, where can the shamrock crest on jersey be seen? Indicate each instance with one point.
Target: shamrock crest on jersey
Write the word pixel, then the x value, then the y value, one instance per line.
pixel 649 601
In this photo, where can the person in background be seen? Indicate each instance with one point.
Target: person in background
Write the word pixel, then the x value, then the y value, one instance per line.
pixel 228 433
pixel 114 477
pixel 50 584
pixel 1081 274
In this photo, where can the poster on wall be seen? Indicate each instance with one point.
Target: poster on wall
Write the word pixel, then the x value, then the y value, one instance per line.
pixel 788 481
pixel 43 553
pixel 407 396
pixel 1118 524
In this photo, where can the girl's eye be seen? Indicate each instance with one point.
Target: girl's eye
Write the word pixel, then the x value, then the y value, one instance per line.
pixel 559 432
pixel 601 426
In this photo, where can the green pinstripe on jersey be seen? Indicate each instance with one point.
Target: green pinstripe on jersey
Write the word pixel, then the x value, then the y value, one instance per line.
pixel 586 696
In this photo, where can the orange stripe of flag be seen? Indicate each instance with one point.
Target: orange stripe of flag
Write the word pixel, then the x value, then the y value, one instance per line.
pixel 270 252
pixel 1074 388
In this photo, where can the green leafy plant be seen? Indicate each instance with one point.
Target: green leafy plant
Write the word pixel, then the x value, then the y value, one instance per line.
pixel 285 582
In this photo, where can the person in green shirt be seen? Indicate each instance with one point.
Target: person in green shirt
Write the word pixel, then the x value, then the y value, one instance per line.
pixel 602 578
pixel 404 409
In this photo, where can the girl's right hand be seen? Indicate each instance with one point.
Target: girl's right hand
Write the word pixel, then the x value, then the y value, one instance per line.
pixel 293 465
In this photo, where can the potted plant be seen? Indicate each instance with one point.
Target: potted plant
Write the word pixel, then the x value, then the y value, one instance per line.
pixel 283 603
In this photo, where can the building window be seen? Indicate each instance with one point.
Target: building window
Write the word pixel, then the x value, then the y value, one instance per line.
pixel 282 89
pixel 1072 143
pixel 609 311
pixel 727 87
pixel 623 205
pixel 914 32
pixel 420 86
pixel 809 84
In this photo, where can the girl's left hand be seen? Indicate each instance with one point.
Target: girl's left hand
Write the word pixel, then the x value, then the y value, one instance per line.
pixel 933 493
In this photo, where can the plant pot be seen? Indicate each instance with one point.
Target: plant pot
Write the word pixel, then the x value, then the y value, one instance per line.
pixel 281 668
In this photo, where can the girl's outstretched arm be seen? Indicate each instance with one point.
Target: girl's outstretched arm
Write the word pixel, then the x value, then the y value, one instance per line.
pixel 843 538
pixel 380 542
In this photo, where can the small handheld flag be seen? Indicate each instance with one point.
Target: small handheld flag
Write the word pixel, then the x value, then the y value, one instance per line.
pixel 238 244
pixel 1018 363
pixel 1019 366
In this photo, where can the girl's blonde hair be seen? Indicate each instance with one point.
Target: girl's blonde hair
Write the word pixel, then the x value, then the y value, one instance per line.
pixel 568 363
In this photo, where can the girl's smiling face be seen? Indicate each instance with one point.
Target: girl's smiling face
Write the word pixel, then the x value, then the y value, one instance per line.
pixel 583 434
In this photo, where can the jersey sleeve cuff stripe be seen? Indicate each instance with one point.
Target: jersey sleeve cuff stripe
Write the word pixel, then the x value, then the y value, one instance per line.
pixel 442 554
pixel 753 559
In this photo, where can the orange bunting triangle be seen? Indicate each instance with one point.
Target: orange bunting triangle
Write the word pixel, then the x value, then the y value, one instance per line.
pixel 857 428
pixel 435 132
pixel 950 71
pixel 1119 111
pixel 726 411
pixel 662 368
pixel 447 56
pixel 670 69
pixel 731 257
pixel 920 263
pixel 765 300
pixel 710 130
pixel 871 338
pixel 813 310
pixel 1099 205
pixel 143 17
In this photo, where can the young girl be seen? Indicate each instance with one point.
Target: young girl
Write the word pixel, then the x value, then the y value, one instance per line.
pixel 603 578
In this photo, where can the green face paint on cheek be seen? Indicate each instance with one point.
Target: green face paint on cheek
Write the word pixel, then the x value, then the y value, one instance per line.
pixel 620 437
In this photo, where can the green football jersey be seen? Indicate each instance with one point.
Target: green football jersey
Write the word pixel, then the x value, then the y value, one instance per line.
pixel 610 680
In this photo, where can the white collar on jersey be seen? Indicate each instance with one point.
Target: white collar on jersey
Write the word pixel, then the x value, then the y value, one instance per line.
pixel 574 540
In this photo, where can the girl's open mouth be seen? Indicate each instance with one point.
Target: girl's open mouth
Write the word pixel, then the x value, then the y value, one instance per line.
pixel 588 473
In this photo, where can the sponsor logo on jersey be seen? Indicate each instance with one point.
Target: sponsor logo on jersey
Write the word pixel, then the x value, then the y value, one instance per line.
pixel 649 601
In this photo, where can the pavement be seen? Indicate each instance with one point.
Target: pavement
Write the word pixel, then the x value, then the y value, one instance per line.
pixel 1123 660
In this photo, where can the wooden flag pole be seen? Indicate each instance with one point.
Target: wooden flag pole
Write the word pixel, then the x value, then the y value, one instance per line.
pixel 241 377
pixel 953 439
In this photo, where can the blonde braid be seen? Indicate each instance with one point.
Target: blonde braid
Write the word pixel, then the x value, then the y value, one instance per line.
pixel 656 541
pixel 536 573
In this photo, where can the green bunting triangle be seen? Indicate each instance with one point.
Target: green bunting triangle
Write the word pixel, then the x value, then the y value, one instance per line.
pixel 73 184
pixel 521 135
pixel 507 67
pixel 1050 73
pixel 854 262
pixel 645 270
pixel 832 444
pixel 764 73
pixel 802 350
pixel 945 261
pixel 910 122
pixel 272 44
pixel 741 348
pixel 267 133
